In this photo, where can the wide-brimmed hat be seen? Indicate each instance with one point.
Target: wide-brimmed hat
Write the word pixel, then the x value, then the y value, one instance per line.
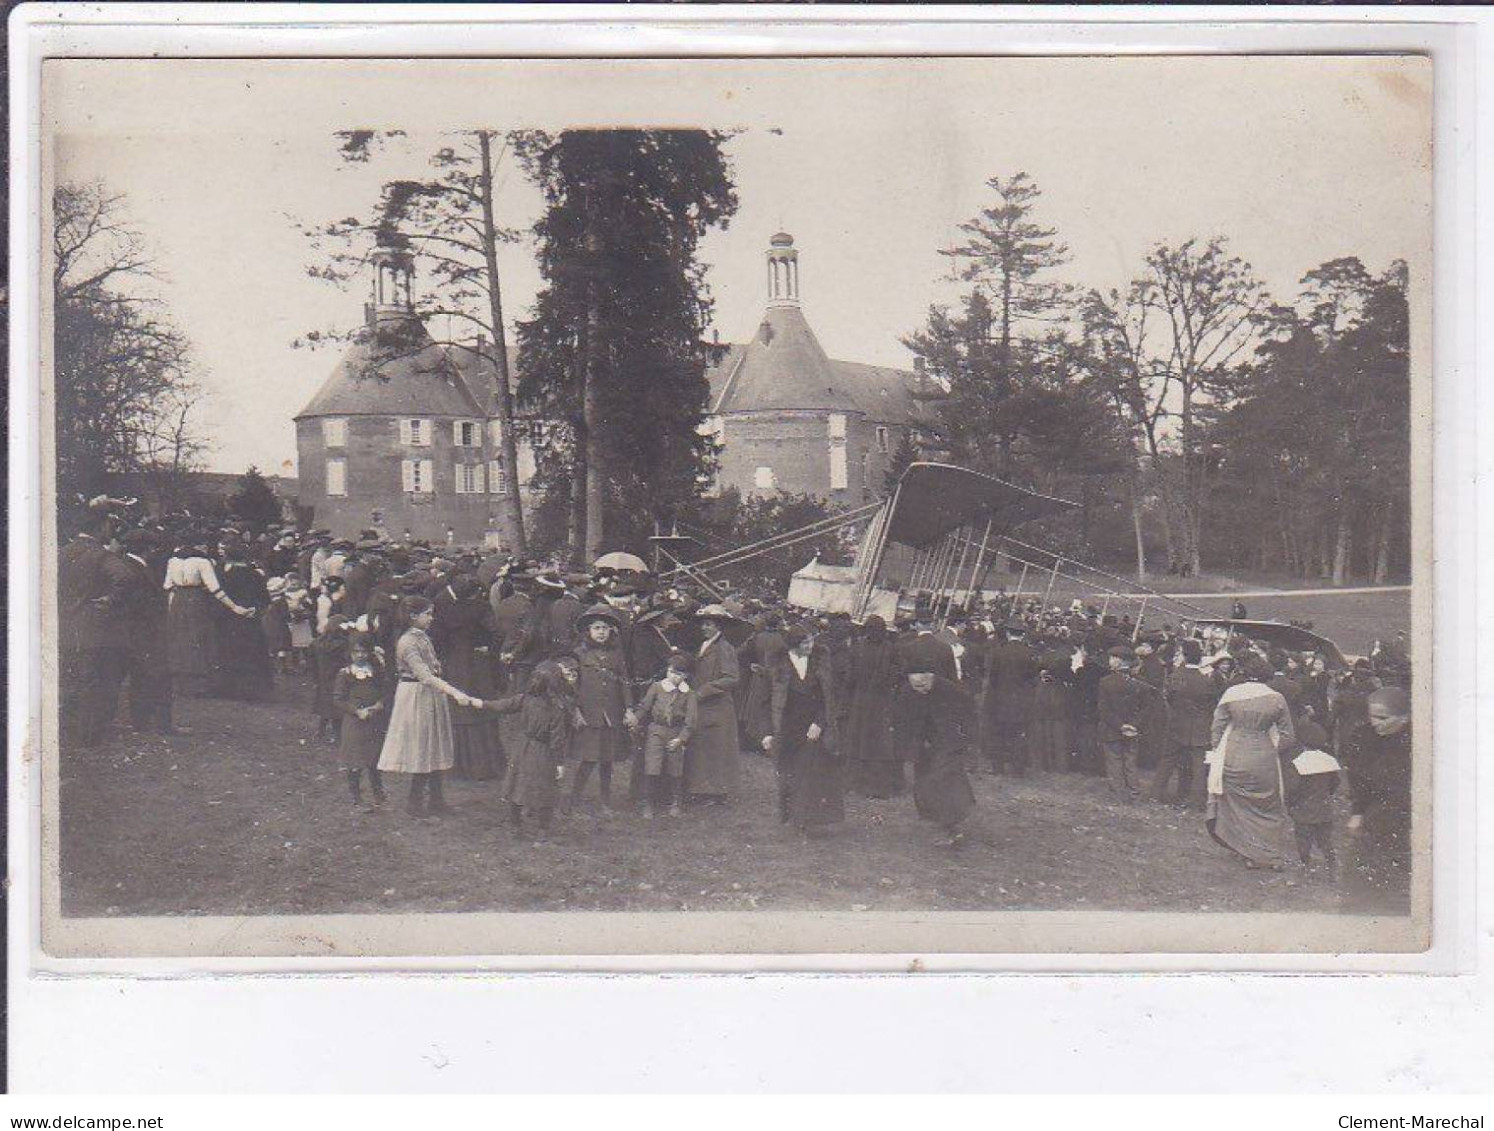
pixel 600 612
pixel 549 580
pixel 715 612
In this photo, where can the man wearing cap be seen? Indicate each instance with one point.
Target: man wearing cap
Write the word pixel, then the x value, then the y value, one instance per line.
pixel 1121 703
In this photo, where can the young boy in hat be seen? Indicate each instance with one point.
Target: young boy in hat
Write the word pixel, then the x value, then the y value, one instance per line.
pixel 1309 778
pixel 669 716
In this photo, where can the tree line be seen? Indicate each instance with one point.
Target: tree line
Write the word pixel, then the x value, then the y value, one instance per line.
pixel 1200 424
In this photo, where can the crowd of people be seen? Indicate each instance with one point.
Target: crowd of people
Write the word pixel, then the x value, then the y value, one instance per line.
pixel 427 661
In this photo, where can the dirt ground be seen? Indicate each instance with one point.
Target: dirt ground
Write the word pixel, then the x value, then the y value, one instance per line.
pixel 250 815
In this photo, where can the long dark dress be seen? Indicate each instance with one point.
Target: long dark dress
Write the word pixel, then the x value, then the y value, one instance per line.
pixel 872 759
pixel 933 730
pixel 243 656
pixel 711 764
pixel 459 629
pixel 810 784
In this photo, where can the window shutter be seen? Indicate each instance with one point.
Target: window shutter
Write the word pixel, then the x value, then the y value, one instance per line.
pixel 456 433
pixel 837 426
pixel 428 476
pixel 337 479
pixel 461 478
pixel 495 432
pixel 407 472
pixel 404 434
pixel 838 478
pixel 479 485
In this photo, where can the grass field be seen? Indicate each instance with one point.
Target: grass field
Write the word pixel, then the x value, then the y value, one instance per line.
pixel 249 815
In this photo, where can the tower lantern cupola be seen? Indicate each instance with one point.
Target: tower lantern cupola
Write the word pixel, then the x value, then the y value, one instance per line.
pixel 393 282
pixel 783 271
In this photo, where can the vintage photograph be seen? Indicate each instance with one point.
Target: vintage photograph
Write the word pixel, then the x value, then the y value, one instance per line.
pixel 711 505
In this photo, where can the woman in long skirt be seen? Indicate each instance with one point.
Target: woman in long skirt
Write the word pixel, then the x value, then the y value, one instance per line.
pixel 193 598
pixel 811 794
pixel 1246 809
pixel 419 742
pixel 460 628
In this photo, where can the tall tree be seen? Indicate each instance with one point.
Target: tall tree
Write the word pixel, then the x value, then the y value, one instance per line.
pixel 1165 352
pixel 124 394
pixel 614 352
pixel 988 352
pixel 1317 460
pixel 449 221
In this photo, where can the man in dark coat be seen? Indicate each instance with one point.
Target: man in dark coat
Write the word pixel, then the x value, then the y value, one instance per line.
pixel 144 616
pixel 1377 758
pixel 1122 703
pixel 926 646
pixel 92 587
pixel 1191 699
pixel 931 725
pixel 1011 672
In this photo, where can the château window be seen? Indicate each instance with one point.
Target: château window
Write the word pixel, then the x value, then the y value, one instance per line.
pixel 415 433
pixel 466 433
pixel 837 426
pixel 337 477
pixel 765 480
pixel 495 432
pixel 881 438
pixel 497 477
pixel 419 476
pixel 335 432
pixel 469 479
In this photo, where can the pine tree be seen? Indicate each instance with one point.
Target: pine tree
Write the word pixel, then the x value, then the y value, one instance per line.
pixel 614 352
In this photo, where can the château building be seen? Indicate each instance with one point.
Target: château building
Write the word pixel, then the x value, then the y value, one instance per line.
pixel 790 418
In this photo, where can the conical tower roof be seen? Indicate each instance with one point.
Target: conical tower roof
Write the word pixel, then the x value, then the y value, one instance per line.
pixel 394 368
pixel 784 367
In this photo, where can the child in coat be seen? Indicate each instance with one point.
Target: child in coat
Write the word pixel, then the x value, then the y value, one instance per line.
pixel 274 620
pixel 1309 778
pixel 668 716
pixel 299 611
pixel 546 710
pixel 359 694
pixel 330 653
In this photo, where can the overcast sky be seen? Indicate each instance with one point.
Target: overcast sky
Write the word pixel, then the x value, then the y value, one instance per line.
pixel 870 165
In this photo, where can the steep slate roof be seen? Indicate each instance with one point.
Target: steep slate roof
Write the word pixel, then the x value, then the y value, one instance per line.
pixel 481 375
pixel 786 368
pixel 783 367
pixel 397 371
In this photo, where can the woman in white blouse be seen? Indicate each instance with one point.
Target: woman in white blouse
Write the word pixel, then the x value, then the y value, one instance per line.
pixel 191 636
